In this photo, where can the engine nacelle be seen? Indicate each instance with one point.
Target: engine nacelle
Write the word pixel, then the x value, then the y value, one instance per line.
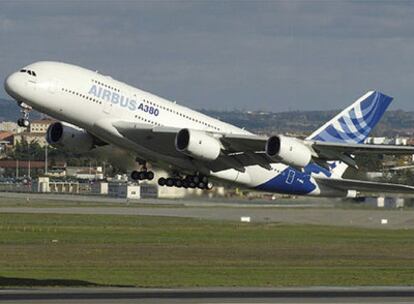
pixel 69 137
pixel 289 151
pixel 197 144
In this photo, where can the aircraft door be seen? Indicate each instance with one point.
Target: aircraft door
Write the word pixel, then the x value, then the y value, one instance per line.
pixel 53 84
pixel 107 107
pixel 290 177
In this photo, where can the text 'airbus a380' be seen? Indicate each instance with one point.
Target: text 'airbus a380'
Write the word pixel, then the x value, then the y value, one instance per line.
pixel 98 110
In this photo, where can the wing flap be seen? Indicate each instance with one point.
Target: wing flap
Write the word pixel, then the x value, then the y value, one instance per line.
pixel 326 148
pixel 153 138
pixel 243 142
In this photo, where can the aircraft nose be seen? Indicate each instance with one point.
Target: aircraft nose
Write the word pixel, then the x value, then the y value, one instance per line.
pixel 10 83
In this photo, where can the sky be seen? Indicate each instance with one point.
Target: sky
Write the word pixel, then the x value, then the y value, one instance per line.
pixel 225 55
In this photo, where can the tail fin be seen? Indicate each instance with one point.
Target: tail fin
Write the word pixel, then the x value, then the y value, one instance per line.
pixel 353 124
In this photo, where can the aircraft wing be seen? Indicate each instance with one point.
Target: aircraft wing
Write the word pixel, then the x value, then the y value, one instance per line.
pixel 326 151
pixel 365 186
pixel 321 151
pixel 323 147
pixel 155 138
pixel 237 143
pixel 240 150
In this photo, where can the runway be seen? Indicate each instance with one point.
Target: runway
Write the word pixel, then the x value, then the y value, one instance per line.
pixel 396 219
pixel 299 202
pixel 210 295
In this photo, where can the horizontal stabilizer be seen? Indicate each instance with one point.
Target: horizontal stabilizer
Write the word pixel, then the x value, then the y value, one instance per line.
pixel 365 186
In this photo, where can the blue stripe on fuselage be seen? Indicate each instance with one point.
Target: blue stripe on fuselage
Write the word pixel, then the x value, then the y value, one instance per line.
pixel 292 181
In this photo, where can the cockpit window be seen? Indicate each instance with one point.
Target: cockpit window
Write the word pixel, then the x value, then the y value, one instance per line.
pixel 28 72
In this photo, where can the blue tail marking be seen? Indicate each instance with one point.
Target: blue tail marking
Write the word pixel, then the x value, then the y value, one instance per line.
pixel 354 124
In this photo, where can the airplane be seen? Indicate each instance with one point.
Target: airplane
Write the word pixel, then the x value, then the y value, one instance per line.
pixel 95 110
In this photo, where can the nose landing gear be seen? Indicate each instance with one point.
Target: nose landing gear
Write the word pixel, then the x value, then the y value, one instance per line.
pixel 25 110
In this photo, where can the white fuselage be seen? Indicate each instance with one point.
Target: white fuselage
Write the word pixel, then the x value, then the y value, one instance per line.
pixel 93 102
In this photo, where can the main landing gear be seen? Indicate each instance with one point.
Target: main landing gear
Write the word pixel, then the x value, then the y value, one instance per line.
pixel 25 110
pixel 190 181
pixel 144 174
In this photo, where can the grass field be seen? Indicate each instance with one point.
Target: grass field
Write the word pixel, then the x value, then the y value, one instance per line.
pixel 82 250
pixel 94 202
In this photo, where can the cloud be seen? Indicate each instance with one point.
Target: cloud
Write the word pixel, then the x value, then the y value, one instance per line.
pixel 268 55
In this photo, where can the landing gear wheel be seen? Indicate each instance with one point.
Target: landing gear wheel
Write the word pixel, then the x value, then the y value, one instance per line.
pixel 201 185
pixel 135 175
pixel 169 182
pixel 195 179
pixel 161 181
pixel 178 183
pixel 150 175
pixel 142 175
pixel 21 122
pixel 190 181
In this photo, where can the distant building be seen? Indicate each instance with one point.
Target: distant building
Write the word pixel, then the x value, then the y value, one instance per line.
pixel 124 190
pixel 10 126
pixel 385 202
pixel 376 140
pixel 22 167
pixel 400 141
pixel 40 126
pixel 85 172
pixel 6 138
pixel 40 138
pixel 3 146
pixel 375 175
pixel 6 135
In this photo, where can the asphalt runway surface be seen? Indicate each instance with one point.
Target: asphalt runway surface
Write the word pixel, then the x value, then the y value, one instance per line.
pixel 210 295
pixel 298 202
pixel 331 217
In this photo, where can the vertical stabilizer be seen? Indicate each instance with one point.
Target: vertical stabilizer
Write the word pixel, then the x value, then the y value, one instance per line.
pixel 354 124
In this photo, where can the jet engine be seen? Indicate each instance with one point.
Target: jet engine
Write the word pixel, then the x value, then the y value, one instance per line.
pixel 197 144
pixel 289 151
pixel 69 137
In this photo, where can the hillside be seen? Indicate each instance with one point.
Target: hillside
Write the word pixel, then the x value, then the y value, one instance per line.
pixel 304 122
pixel 300 122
